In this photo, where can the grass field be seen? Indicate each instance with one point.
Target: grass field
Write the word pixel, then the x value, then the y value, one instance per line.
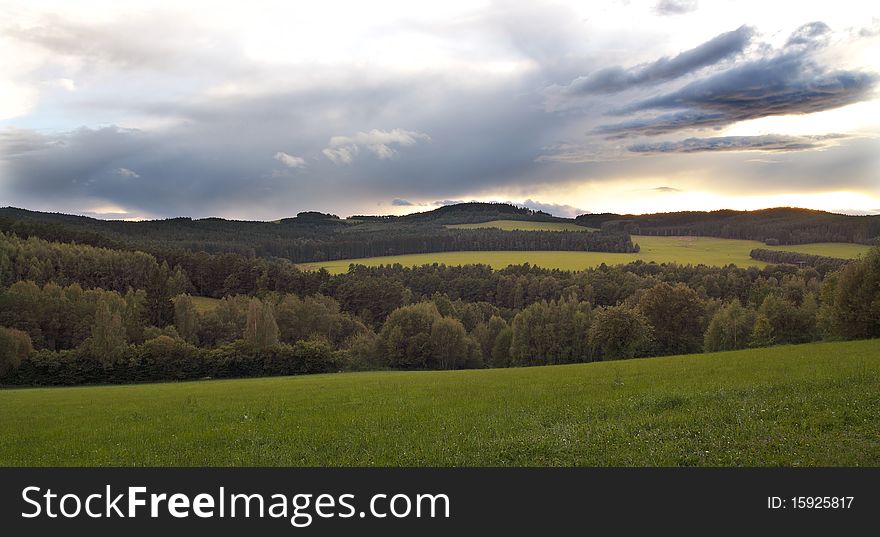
pixel 843 250
pixel 684 250
pixel 805 405
pixel 205 304
pixel 524 225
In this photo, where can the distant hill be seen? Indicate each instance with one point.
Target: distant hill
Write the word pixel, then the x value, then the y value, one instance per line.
pixel 781 225
pixel 313 236
pixel 470 213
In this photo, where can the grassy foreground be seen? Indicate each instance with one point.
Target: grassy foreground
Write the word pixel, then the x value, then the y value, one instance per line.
pixel 684 250
pixel 806 405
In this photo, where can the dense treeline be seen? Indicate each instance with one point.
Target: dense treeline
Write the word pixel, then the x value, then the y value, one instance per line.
pixel 823 264
pixel 54 232
pixel 416 239
pixel 313 236
pixel 775 226
pixel 369 292
pixel 105 336
pixel 42 262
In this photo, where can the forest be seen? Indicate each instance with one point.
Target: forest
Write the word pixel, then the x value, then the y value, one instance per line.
pixel 86 311
pixel 313 236
pixel 824 264
pixel 782 225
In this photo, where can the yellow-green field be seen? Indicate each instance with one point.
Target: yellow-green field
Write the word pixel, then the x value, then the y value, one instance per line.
pixel 683 250
pixel 205 304
pixel 523 225
pixel 799 405
pixel 843 250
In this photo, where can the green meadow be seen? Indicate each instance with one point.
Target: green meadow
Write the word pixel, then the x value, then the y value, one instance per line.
pixel 806 405
pixel 682 250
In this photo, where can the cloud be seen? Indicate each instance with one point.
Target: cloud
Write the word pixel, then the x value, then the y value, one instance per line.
pixel 556 209
pixel 343 149
pixel 768 142
pixel 128 42
pixel 788 82
pixel 614 79
pixel 289 160
pixel 213 100
pixel 870 31
pixel 666 189
pixel 125 172
pixel 579 153
pixel 397 202
pixel 675 7
pixel 808 34
pixel 18 142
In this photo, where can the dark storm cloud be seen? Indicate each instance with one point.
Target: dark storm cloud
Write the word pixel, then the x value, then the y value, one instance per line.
pixel 769 142
pixel 614 79
pixel 675 7
pixel 789 82
pixel 217 157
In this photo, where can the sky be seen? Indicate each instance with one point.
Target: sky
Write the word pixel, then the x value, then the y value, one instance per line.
pixel 260 110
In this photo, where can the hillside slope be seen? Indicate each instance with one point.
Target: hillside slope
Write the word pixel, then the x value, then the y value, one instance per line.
pixel 805 405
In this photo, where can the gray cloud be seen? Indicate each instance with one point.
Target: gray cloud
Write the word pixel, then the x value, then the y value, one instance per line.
pixel 579 153
pixel 768 142
pixel 398 202
pixel 808 34
pixel 789 82
pixel 614 79
pixel 212 159
pixel 666 189
pixel 675 7
pixel 17 142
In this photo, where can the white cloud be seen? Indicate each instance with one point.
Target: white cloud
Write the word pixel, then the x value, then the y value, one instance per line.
pixel 343 149
pixel 343 155
pixel 125 172
pixel 289 160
